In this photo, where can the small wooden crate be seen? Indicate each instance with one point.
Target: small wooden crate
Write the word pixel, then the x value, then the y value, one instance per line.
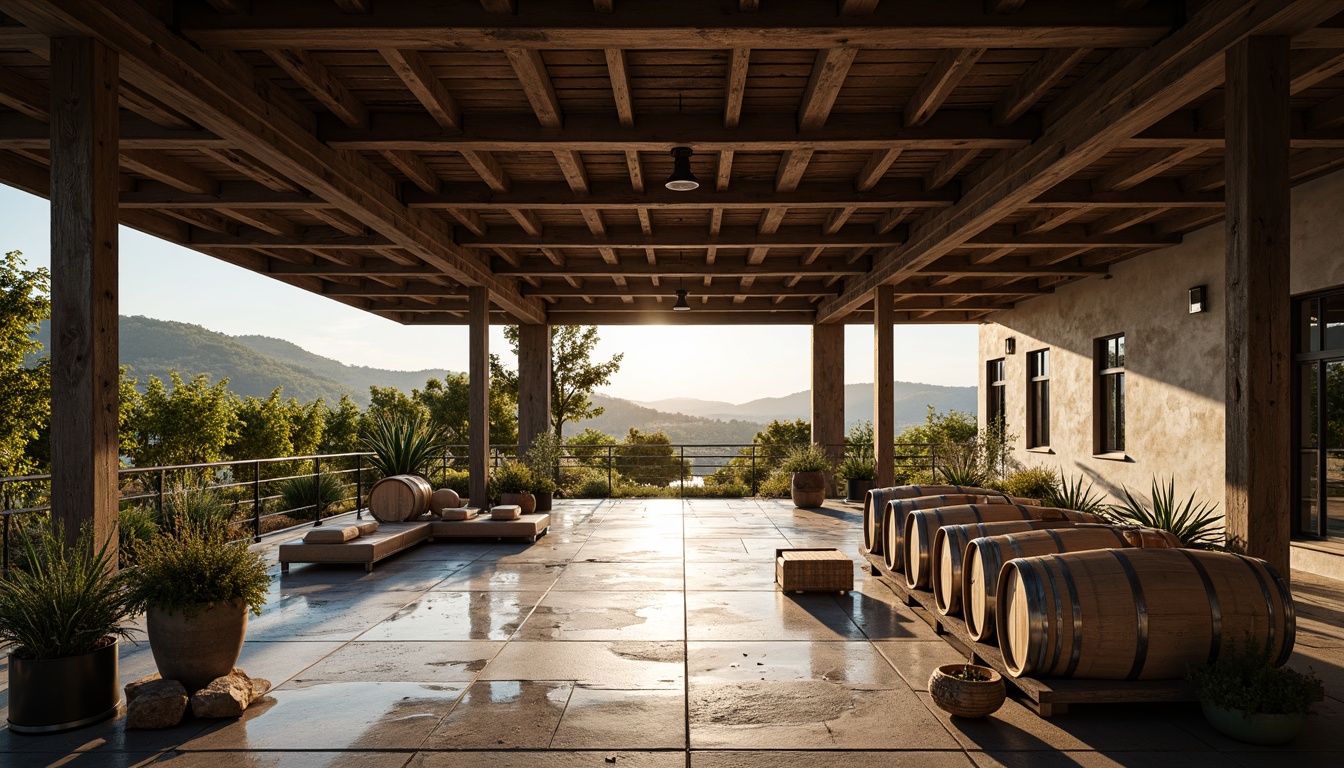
pixel 813 570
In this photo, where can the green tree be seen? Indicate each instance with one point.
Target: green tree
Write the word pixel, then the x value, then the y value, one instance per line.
pixel 648 458
pixel 574 374
pixel 190 424
pixel 938 428
pixel 587 447
pixel 859 440
pixel 306 423
pixel 263 429
pixel 25 389
pixel 447 403
pixel 753 465
pixel 340 427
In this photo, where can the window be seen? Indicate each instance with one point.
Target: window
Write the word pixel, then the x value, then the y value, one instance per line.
pixel 1319 424
pixel 1038 398
pixel 995 407
pixel 1111 394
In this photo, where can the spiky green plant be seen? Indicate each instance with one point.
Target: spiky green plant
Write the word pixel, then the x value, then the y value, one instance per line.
pixel 1195 524
pixel 62 602
pixel 320 491
pixel 201 509
pixel 960 464
pixel 402 444
pixel 857 468
pixel 134 524
pixel 1070 493
pixel 191 568
pixel 806 458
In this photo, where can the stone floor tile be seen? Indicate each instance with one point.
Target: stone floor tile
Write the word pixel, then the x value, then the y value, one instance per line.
pixel 599 665
pixel 841 759
pixel 641 550
pixel 329 617
pixel 491 576
pixel 622 719
pixel 283 760
pixel 621 577
pixel 1091 728
pixel 482 615
pixel 1077 759
pixel 566 759
pixel 877 611
pixel 503 714
pixel 598 615
pixel 915 660
pixel 421 662
pixel 766 616
pixel 97 741
pixel 336 716
pixel 719 577
pixel 855 662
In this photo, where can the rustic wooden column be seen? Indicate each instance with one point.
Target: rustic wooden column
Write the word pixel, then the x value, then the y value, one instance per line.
pixel 84 369
pixel 828 392
pixel 478 393
pixel 1259 442
pixel 534 382
pixel 884 386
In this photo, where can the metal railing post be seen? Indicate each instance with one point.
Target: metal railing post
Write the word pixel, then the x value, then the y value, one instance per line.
pixel 609 485
pixel 317 491
pixel 682 470
pixel 163 480
pixel 359 487
pixel 755 484
pixel 256 501
pixel 8 507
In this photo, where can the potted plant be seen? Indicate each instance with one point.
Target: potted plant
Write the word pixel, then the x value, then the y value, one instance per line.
pixel 402 444
pixel 62 612
pixel 807 465
pixel 543 459
pixel 513 483
pixel 858 472
pixel 967 690
pixel 1246 697
pixel 196 589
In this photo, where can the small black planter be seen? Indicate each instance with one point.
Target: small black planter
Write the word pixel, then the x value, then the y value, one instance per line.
pixel 855 489
pixel 543 500
pixel 53 695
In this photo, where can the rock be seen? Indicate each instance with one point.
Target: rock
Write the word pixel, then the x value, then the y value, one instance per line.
pixel 154 703
pixel 260 687
pixel 225 696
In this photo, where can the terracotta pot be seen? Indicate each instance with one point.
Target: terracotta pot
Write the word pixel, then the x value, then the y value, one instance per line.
pixel 1260 728
pixel 808 489
pixel 52 695
pixel 525 500
pixel 967 698
pixel 196 650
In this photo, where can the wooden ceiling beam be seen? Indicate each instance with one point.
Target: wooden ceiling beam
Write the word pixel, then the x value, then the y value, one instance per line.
pixel 1156 82
pixel 682 25
pixel 735 87
pixel 938 84
pixel 619 73
pixel 636 171
pixel 410 66
pixel 267 222
pixel 1068 236
pixel 488 168
pixel 1121 220
pixel 1308 68
pixel 645 286
pixel 1029 89
pixel 1144 166
pixel 1012 266
pixel 625 304
pixel 536 82
pixel 823 86
pixel 857 7
pixel 946 170
pixel 318 81
pixel 680 237
pixel 253 169
pixel 23 95
pixel 170 171
pixel 725 266
pixel 875 168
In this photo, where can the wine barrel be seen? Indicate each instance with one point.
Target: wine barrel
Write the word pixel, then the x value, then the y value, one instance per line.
pixel 399 497
pixel 976 574
pixel 1137 614
pixel 949 544
pixel 897 509
pixel 875 503
pixel 921 525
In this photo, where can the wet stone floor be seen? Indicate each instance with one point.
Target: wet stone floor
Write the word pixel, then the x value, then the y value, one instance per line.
pixel 643 633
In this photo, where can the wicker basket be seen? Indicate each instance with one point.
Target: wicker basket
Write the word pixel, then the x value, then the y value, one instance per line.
pixel 813 570
pixel 967 698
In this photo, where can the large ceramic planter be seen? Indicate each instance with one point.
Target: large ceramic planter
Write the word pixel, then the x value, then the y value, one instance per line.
pixel 1259 728
pixel 967 698
pixel 527 501
pixel 856 489
pixel 195 650
pixel 52 695
pixel 808 489
pixel 544 500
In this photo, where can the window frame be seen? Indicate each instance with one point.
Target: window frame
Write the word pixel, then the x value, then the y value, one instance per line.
pixel 1106 375
pixel 1038 398
pixel 996 391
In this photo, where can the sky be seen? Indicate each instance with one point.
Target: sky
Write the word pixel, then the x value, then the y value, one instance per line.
pixel 731 363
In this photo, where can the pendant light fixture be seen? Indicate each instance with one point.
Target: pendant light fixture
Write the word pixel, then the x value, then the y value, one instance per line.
pixel 681 305
pixel 681 180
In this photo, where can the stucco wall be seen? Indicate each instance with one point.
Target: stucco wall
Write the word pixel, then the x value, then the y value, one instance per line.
pixel 1175 368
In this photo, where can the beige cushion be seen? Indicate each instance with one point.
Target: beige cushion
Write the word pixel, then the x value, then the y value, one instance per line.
pixel 456 513
pixel 506 512
pixel 331 535
pixel 367 528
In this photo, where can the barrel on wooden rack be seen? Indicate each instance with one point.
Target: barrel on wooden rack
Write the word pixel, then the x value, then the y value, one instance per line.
pixel 873 525
pixel 921 525
pixel 1138 614
pixel 875 502
pixel 399 497
pixel 949 544
pixel 981 559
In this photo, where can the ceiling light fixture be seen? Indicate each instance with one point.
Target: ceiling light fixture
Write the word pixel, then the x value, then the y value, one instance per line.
pixel 681 305
pixel 682 180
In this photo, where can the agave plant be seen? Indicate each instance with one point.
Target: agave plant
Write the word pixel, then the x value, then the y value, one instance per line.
pixel 402 444
pixel 1072 494
pixel 959 464
pixel 1196 525
pixel 320 491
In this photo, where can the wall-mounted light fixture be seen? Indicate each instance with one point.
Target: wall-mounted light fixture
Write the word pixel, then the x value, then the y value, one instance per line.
pixel 1199 299
pixel 1010 346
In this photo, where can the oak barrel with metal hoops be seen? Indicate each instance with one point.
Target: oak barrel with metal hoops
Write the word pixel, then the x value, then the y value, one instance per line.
pixel 875 502
pixel 976 572
pixel 921 525
pixel 399 497
pixel 872 528
pixel 1138 614
pixel 949 544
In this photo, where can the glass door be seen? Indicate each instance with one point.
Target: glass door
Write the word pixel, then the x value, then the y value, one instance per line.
pixel 1320 416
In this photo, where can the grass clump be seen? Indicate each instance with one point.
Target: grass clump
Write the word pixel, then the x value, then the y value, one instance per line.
pixel 190 569
pixel 1249 682
pixel 312 491
pixel 806 458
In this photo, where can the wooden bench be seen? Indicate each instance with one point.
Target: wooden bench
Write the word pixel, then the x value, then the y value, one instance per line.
pixel 482 527
pixel 388 540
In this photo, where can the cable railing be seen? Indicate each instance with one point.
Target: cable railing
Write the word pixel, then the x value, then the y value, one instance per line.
pixel 263 495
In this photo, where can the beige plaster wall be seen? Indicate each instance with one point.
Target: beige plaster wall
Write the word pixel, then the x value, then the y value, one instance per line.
pixel 1175 368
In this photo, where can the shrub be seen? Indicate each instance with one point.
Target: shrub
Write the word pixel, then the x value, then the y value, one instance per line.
pixel 716 491
pixel 307 491
pixel 61 602
pixel 1029 482
pixel 1249 682
pixel 185 571
pixel 591 487
pixel 402 443
pixel 543 458
pixel 134 524
pixel 511 477
pixel 806 458
pixel 1196 525
pixel 856 468
pixel 1071 494
pixel 457 479
pixel 198 509
pixel 775 486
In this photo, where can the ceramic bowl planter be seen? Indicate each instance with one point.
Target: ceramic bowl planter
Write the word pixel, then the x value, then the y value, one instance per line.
pixel 962 697
pixel 808 489
pixel 1259 728
pixel 194 650
pixel 64 693
pixel 526 501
